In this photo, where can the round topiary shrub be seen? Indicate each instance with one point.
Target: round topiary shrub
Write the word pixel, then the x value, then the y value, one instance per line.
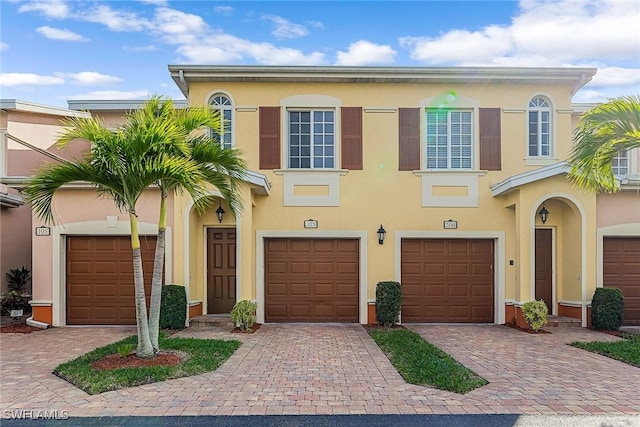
pixel 535 313
pixel 607 309
pixel 173 307
pixel 388 302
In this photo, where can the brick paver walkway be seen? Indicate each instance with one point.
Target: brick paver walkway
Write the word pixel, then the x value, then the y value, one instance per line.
pixel 332 369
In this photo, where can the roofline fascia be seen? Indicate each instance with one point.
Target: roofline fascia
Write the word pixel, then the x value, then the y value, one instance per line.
pixel 32 107
pixel 114 104
pixel 506 185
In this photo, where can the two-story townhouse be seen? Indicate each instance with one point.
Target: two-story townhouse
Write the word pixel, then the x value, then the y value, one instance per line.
pixel 455 165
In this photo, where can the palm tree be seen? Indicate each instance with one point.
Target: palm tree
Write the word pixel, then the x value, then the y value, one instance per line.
pixel 121 165
pixel 222 168
pixel 602 132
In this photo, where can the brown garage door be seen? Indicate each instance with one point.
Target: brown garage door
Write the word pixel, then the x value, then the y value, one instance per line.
pixel 447 280
pixel 100 288
pixel 311 280
pixel 621 269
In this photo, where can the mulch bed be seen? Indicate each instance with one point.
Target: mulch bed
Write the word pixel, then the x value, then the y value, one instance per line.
pixel 19 328
pixel 115 361
pixel 255 327
pixel 527 330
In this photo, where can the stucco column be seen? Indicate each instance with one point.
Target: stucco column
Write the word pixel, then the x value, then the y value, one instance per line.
pixel 245 255
pixel 3 144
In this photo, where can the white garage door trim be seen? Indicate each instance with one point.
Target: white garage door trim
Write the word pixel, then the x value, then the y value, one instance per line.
pixel 499 255
pixel 261 235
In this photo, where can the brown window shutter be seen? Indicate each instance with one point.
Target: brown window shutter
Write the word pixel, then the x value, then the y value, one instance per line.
pixel 490 146
pixel 269 137
pixel 351 125
pixel 409 132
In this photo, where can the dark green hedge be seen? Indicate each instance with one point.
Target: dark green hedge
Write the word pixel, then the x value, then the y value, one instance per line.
pixel 607 307
pixel 173 309
pixel 388 302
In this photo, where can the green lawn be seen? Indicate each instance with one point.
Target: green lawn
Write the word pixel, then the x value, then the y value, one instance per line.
pixel 421 363
pixel 202 355
pixel 627 350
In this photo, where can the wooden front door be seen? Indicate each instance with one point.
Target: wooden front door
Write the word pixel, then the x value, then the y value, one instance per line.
pixel 544 267
pixel 221 270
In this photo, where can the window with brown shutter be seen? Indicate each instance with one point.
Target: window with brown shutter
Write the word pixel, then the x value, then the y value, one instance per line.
pixel 351 138
pixel 409 137
pixel 269 137
pixel 490 146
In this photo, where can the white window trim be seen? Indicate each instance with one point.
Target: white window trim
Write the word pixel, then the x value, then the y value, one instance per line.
pixel 475 149
pixel 336 137
pixel 552 157
pixel 221 92
pixel 310 102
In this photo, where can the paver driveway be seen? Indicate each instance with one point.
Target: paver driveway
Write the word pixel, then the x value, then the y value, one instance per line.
pixel 332 369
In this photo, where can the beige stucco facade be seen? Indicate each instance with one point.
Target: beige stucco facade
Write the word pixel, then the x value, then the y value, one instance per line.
pixel 498 204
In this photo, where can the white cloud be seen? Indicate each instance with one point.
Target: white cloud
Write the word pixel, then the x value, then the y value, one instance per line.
pixel 112 94
pixel 90 78
pixel 364 52
pixel 155 2
pixel 174 22
pixel 285 29
pixel 615 76
pixel 224 10
pixel 3 46
pixel 60 34
pixel 115 20
pixel 28 79
pixel 56 9
pixel 544 33
pixel 140 49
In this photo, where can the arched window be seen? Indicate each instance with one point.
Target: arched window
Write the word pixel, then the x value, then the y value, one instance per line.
pixel 223 104
pixel 539 125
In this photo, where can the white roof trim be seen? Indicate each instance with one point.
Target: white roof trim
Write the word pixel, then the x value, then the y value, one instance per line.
pixel 183 75
pixel 115 105
pixel 524 178
pixel 10 200
pixel 32 107
pixel 260 181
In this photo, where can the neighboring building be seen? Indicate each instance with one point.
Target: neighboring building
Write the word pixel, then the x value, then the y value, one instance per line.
pixel 28 133
pixel 618 230
pixel 455 164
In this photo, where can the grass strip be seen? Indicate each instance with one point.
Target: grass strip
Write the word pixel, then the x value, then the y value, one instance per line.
pixel 421 363
pixel 627 350
pixel 202 355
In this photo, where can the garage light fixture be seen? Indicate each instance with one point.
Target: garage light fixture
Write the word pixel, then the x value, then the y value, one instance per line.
pixel 381 234
pixel 544 214
pixel 220 212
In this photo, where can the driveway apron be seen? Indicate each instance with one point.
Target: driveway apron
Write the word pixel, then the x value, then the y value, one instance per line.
pixel 331 369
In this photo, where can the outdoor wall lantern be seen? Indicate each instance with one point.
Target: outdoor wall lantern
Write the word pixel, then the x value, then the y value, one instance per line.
pixel 220 212
pixel 544 213
pixel 381 234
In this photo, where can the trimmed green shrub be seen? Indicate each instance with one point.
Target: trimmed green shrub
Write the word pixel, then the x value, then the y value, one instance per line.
pixel 607 309
pixel 535 313
pixel 173 307
pixel 388 302
pixel 244 314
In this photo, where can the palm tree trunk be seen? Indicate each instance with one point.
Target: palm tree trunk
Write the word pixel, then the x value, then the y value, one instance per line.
pixel 156 283
pixel 145 349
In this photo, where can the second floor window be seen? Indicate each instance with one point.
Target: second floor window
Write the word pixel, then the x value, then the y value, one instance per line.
pixel 311 139
pixel 449 139
pixel 620 163
pixel 223 104
pixel 539 122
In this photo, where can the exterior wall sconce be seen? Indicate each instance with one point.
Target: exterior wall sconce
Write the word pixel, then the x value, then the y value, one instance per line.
pixel 220 213
pixel 381 234
pixel 544 214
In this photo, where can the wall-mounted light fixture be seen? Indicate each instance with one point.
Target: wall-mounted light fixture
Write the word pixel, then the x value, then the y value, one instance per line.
pixel 220 212
pixel 381 234
pixel 544 214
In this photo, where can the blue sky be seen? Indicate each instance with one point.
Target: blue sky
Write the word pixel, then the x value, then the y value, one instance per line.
pixel 52 51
